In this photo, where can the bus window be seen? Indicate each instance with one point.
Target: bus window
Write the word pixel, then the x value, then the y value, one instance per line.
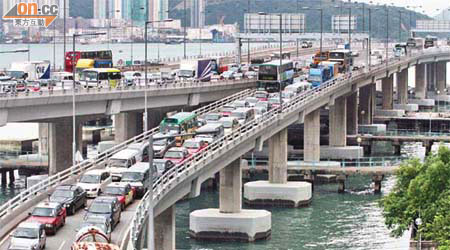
pixel 103 76
pixel 115 76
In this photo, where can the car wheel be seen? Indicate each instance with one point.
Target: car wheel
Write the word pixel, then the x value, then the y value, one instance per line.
pixel 62 223
pixel 85 203
pixel 98 193
pixel 122 207
pixel 43 247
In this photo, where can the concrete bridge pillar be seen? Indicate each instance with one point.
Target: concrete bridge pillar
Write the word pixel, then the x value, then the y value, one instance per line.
pixel 387 88
pixel 341 178
pixel 367 104
pixel 43 138
pixel 338 123
pixel 312 137
pixel 60 144
pixel 421 81
pixel 402 86
pixel 3 177
pixel 431 76
pixel 441 77
pixel 127 125
pixel 352 114
pixel 230 222
pixel 377 179
pixel 278 157
pixel 165 229
pixel 12 178
pixel 155 117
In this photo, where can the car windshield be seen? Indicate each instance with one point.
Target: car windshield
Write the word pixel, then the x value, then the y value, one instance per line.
pixel 239 115
pixel 239 104
pixel 174 154
pixel 98 224
pixel 27 233
pixel 132 176
pixel 160 142
pixel 89 76
pixel 115 190
pixel 227 109
pixel 100 208
pixel 252 100
pixel 63 193
pixel 191 144
pixel 274 100
pixel 261 104
pixel 87 178
pixel 212 117
pixel 15 74
pixel 44 212
pixel 227 123
pixel 118 163
pixel 314 78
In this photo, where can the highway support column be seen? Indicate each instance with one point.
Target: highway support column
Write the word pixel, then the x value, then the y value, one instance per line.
pixel 367 100
pixel 421 81
pixel 60 144
pixel 127 125
pixel 312 136
pixel 165 229
pixel 352 114
pixel 277 191
pixel 441 77
pixel 377 179
pixel 338 123
pixel 230 221
pixel 387 88
pixel 402 87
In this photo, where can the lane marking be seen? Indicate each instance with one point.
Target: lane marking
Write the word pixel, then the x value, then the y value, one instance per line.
pixel 4 240
pixel 62 244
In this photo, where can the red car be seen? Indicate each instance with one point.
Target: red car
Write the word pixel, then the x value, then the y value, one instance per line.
pixel 51 214
pixel 177 155
pixel 123 191
pixel 194 146
pixel 226 110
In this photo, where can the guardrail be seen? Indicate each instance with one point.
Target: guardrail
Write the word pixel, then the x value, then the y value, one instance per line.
pixel 406 132
pixel 98 90
pixel 180 172
pixel 99 161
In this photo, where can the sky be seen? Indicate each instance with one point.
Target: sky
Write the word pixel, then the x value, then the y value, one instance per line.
pixel 429 6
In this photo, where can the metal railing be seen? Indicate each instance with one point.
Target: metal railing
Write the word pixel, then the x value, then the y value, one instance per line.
pixel 408 132
pixel 17 158
pixel 195 163
pixel 100 160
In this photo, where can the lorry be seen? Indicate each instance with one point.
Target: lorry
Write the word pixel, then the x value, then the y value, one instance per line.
pixel 416 42
pixel 319 75
pixel 400 50
pixel 333 66
pixel 30 70
pixel 320 57
pixel 200 69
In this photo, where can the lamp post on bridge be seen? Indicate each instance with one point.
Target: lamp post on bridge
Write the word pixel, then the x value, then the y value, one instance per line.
pixel 321 27
pixel 132 33
pixel 74 144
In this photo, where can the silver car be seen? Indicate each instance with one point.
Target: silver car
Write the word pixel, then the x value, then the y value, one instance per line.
pixel 28 235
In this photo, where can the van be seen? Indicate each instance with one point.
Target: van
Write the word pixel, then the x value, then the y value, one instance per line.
pixel 94 182
pixel 142 148
pixel 138 176
pixel 120 162
pixel 243 115
pixel 210 132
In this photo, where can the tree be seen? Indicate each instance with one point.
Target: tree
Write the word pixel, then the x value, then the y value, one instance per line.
pixel 422 190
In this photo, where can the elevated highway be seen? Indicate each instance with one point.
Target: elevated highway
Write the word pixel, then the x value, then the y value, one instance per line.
pixel 185 179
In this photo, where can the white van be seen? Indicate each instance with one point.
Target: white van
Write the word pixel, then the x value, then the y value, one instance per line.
pixel 120 162
pixel 243 115
pixel 142 148
pixel 210 132
pixel 138 176
pixel 94 182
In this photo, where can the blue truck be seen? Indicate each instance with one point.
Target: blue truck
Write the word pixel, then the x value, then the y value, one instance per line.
pixel 319 75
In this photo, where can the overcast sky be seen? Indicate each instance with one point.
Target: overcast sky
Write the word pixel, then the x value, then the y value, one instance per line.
pixel 429 6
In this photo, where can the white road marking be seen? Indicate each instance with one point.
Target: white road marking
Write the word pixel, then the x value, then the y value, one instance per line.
pixel 4 240
pixel 62 244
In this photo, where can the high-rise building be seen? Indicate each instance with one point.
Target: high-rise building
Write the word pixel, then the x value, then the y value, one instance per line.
pixel 158 10
pixel 198 13
pixel 100 9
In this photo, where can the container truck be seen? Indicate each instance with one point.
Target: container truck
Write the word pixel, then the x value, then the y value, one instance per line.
pixel 31 71
pixel 319 75
pixel 200 69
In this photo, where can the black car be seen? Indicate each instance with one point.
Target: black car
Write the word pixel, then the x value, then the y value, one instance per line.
pixel 162 166
pixel 108 206
pixel 71 196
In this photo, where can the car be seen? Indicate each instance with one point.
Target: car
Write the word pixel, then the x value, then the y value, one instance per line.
pixel 274 102
pixel 71 196
pixel 259 111
pixel 305 45
pixel 28 235
pixel 238 75
pixel 51 214
pixel 210 132
pixel 162 165
pixel 142 148
pixel 241 104
pixel 131 77
pixel 251 74
pixel 212 117
pixel 138 176
pixel 177 155
pixel 194 146
pixel 106 206
pixel 161 145
pixel 262 104
pixel 94 182
pixel 123 191
pixel 229 124
pixel 251 100
pixel 229 75
pixel 97 222
pixel 261 95
pixel 227 109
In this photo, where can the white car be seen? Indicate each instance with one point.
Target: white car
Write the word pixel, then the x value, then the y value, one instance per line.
pixel 28 235
pixel 94 182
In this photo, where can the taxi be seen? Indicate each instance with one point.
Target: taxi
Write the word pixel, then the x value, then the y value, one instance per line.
pixel 123 191
pixel 51 214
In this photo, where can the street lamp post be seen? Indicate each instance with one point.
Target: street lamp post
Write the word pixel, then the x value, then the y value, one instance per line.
pixel 321 28
pixel 387 35
pixel 359 140
pixel 184 29
pixel 418 222
pixel 248 31
pixel 132 33
pixel 74 145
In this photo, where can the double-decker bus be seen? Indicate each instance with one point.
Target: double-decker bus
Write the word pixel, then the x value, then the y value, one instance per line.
pixel 272 75
pixel 343 57
pixel 102 59
pixel 180 123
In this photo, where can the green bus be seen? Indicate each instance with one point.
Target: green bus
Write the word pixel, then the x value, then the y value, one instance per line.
pixel 179 123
